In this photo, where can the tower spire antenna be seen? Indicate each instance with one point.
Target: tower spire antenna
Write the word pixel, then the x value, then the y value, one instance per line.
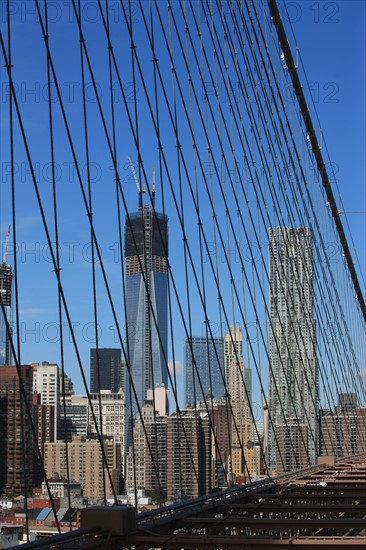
pixel 6 246
pixel 138 184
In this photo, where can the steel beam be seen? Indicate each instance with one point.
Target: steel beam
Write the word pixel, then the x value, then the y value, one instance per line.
pixel 145 542
pixel 243 522
pixel 303 507
pixel 339 494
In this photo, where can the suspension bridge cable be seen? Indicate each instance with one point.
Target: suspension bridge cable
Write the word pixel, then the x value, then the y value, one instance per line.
pixel 324 143
pixel 305 182
pixel 57 258
pixel 290 180
pixel 41 209
pixel 123 198
pixel 202 139
pixel 327 259
pixel 23 392
pixel 9 67
pixel 231 183
pixel 94 284
pixel 316 149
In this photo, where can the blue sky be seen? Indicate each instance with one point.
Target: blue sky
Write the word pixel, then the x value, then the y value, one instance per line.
pixel 331 41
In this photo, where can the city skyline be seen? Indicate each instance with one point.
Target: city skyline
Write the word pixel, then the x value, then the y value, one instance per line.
pixel 335 100
pixel 218 301
pixel 194 351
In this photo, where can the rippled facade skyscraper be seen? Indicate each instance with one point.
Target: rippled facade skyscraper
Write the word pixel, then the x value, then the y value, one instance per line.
pixel 293 370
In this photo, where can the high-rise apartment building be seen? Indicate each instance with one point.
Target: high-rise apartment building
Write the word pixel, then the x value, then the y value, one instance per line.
pixel 177 462
pixel 105 369
pixel 239 387
pixel 189 456
pixel 6 275
pixel 110 408
pixel 46 381
pixel 44 426
pixel 347 402
pixel 16 439
pixel 203 366
pixel 146 461
pixel 138 458
pixel 221 426
pixel 343 429
pixel 292 429
pixel 86 464
pixel 146 249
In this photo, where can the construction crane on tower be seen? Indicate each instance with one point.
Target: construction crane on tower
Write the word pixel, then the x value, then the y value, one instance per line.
pixel 138 184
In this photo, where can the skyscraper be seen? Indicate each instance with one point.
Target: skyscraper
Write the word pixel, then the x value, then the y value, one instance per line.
pixel 179 448
pixel 188 457
pixel 204 360
pixel 146 249
pixel 239 387
pixel 16 441
pixel 110 369
pixel 46 381
pixel 112 414
pixel 293 373
pixel 74 418
pixel 6 276
pixel 138 458
pixel 44 426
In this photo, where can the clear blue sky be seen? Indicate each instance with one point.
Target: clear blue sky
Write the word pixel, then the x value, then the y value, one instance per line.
pixel 331 41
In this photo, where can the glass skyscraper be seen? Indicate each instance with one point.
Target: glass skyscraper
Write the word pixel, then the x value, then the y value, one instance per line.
pixel 110 369
pixel 146 249
pixel 203 361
